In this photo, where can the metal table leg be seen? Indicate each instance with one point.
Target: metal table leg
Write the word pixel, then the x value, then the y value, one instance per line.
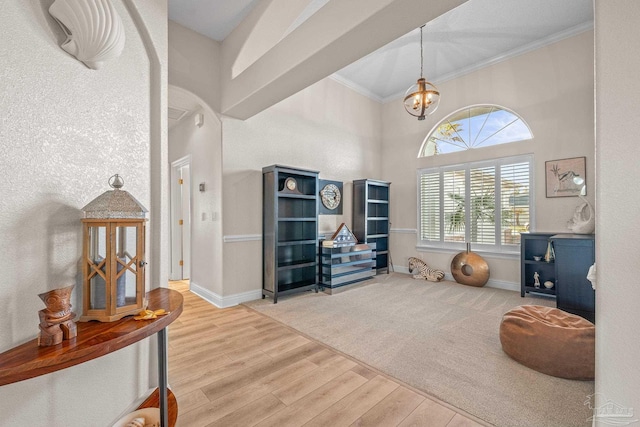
pixel 162 377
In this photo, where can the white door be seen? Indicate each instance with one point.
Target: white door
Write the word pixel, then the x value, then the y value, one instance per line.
pixel 186 221
pixel 181 219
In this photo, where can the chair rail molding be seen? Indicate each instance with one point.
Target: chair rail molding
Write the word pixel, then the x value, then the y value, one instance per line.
pixel 94 30
pixel 232 238
pixel 404 230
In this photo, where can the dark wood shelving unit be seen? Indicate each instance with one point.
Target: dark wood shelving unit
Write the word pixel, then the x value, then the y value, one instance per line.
pixel 289 231
pixel 96 339
pixel 371 217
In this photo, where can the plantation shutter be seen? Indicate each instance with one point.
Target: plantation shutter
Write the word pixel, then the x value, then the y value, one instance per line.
pixel 453 183
pixel 487 203
pixel 430 206
pixel 482 206
pixel 516 206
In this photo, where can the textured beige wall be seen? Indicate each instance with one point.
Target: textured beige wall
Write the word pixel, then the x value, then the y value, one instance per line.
pixel 65 129
pixel 551 88
pixel 327 128
pixel 617 224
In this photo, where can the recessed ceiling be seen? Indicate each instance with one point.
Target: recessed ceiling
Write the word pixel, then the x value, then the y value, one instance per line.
pixel 476 34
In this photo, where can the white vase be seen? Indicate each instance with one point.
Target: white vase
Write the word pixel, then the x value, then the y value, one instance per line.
pixel 549 255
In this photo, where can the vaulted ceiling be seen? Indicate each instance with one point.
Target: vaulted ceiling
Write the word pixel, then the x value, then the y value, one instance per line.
pixel 470 36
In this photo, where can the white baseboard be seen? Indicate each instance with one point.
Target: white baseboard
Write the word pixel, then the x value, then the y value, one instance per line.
pixel 401 269
pixel 224 301
pixel 492 283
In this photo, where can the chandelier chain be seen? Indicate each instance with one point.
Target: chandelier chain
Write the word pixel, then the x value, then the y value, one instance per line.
pixel 421 53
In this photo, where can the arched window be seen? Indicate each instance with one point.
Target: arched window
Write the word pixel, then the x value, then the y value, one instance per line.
pixel 474 127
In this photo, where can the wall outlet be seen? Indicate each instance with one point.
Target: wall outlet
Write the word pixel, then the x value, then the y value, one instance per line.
pixel 204 216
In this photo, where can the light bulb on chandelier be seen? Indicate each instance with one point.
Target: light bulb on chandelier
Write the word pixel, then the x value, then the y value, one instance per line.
pixel 422 98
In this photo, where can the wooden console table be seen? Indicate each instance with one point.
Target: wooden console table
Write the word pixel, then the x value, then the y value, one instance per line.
pixel 97 339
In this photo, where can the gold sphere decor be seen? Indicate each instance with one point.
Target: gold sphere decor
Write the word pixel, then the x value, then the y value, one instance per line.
pixel 469 268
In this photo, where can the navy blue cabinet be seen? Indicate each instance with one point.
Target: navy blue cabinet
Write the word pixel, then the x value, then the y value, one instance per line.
pixel 575 253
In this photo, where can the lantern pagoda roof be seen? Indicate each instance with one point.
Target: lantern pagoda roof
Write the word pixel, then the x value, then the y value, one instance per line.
pixel 115 203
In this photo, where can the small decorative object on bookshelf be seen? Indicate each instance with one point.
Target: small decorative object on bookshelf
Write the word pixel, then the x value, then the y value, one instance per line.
pixel 536 280
pixel 549 255
pixel 290 184
pixel 342 237
pixel 56 321
pixel 289 230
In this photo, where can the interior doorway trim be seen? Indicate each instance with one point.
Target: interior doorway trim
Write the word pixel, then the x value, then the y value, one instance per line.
pixel 180 233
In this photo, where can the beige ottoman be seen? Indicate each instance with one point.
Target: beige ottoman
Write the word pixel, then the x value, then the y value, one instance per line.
pixel 550 341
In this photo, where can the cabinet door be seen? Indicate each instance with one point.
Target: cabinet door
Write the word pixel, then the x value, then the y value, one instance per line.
pixel 574 291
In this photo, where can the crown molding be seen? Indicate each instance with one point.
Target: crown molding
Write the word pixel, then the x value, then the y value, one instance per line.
pixel 356 87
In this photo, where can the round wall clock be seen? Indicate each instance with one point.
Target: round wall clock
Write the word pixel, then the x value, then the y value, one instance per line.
pixel 290 184
pixel 330 196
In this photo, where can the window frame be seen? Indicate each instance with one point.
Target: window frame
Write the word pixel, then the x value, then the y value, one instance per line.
pixel 498 248
pixel 425 141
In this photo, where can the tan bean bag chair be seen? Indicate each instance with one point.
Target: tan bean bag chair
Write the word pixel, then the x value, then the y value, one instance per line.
pixel 550 341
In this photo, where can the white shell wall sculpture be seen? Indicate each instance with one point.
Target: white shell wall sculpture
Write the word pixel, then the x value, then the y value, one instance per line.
pixel 584 219
pixel 94 30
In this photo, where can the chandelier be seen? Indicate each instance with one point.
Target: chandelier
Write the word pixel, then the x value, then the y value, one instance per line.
pixel 422 98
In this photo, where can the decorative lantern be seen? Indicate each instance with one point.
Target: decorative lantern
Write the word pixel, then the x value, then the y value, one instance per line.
pixel 113 255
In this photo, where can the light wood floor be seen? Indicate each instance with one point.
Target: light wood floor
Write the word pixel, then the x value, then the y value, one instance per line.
pixel 236 367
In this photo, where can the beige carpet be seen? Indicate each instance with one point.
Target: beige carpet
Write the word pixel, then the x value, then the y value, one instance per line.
pixel 441 338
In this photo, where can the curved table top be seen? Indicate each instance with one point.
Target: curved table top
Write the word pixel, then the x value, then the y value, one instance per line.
pixel 94 339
